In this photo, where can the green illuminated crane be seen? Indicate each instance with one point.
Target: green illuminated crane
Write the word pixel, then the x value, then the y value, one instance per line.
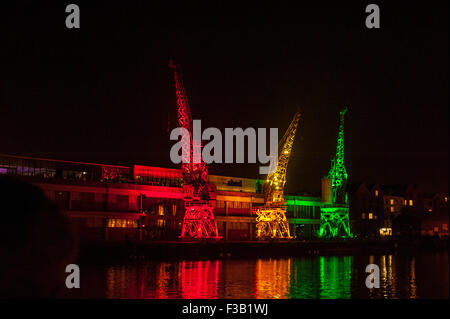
pixel 338 173
pixel 334 220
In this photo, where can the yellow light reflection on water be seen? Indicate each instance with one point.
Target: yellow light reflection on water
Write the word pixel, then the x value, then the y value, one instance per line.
pixel 272 278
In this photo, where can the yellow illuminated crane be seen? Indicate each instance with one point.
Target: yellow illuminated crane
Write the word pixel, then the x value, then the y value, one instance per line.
pixel 271 218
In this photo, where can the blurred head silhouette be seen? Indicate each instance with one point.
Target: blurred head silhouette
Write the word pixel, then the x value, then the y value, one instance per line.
pixel 36 242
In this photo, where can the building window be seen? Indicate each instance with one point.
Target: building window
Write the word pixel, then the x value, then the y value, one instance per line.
pixel 161 222
pixel 392 202
pixel 404 202
pixel 246 205
pixel 386 231
pixel 87 197
pixel 240 226
pixel 392 209
pixel 376 192
pixel 220 204
pixel 363 216
pixel 370 216
pixel 411 203
pixel 160 210
pixel 122 223
pixel 174 209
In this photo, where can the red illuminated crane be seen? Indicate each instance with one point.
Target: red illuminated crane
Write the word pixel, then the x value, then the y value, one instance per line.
pixel 198 194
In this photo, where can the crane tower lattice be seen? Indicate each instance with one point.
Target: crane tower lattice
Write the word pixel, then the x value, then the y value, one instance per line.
pixel 271 218
pixel 198 194
pixel 334 217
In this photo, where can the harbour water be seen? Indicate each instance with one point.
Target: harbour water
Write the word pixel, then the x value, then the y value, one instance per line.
pixel 424 275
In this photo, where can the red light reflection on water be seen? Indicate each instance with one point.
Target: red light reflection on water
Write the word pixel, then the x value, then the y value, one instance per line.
pixel 199 279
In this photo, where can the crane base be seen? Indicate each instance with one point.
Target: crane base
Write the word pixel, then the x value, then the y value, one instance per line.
pixel 199 223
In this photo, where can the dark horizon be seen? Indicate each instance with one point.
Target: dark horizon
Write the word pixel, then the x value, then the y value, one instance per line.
pixel 104 93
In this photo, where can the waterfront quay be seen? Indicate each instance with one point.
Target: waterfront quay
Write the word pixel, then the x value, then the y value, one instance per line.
pixel 175 250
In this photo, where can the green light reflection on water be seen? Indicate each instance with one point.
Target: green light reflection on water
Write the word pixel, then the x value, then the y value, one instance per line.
pixel 325 277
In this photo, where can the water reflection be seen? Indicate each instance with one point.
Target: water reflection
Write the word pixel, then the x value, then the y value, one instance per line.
pixel 397 277
pixel 412 280
pixel 237 279
pixel 312 277
pixel 199 279
pixel 272 280
pixel 387 284
pixel 335 277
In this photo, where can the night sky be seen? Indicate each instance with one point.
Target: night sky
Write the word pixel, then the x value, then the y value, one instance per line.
pixel 104 93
